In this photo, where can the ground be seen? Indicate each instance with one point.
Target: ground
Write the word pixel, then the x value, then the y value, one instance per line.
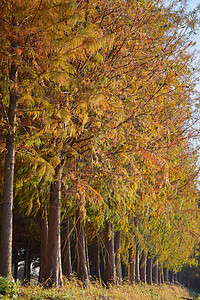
pixel 94 291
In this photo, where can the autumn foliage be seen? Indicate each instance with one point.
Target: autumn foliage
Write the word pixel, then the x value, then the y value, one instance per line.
pixel 102 136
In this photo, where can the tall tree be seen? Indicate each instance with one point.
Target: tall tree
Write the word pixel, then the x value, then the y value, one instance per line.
pixel 12 67
pixel 21 29
pixel 66 249
pixel 104 97
pixel 109 269
pixel 117 248
pixel 54 266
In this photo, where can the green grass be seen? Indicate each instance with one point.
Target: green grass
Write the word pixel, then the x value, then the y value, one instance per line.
pixel 74 289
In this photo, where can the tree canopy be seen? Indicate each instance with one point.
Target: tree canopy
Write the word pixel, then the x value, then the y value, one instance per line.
pixel 98 113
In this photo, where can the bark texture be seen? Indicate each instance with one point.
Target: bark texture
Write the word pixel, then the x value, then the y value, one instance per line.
pixel 87 255
pixel 7 217
pixel 98 262
pixel 43 245
pixel 155 271
pixel 54 269
pixel 66 250
pixel 117 246
pixel 143 269
pixel 82 266
pixel 171 277
pixel 137 263
pixel 166 275
pixel 109 269
pixel 27 266
pixel 15 263
pixel 149 270
pixel 160 275
pixel 132 256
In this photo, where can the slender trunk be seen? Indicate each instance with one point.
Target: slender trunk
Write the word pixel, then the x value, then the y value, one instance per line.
pixel 82 270
pixel 149 269
pixel 15 262
pixel 7 217
pixel 143 267
pixel 132 255
pixel 137 264
pixel 160 275
pixel 166 275
pixel 66 250
pixel 27 265
pixel 125 271
pixel 54 268
pixel 179 276
pixel 98 262
pixel 155 271
pixel 109 270
pixel 171 276
pixel 87 255
pixel 117 246
pixel 43 245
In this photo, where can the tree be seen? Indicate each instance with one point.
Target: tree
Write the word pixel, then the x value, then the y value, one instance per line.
pixel 110 268
pixel 104 99
pixel 18 32
pixel 66 249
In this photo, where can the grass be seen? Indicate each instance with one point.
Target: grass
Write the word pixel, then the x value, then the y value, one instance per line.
pixel 94 291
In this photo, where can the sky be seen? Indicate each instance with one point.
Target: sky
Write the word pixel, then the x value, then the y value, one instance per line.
pixel 193 3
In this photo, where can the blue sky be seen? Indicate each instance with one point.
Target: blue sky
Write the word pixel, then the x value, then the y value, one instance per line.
pixel 193 3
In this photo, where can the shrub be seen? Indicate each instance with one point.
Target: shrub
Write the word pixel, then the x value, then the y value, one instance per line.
pixel 8 288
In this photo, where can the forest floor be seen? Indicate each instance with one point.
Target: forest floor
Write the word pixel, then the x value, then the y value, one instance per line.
pixel 75 290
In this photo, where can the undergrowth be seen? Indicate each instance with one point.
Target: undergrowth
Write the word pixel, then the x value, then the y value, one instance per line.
pixel 74 289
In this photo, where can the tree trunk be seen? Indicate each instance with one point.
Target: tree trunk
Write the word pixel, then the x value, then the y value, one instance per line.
pixel 149 269
pixel 179 277
pixel 117 246
pixel 109 270
pixel 98 262
pixel 137 263
pixel 66 250
pixel 143 268
pixel 15 263
pixel 160 275
pixel 43 245
pixel 82 270
pixel 87 255
pixel 171 276
pixel 54 268
pixel 155 271
pixel 132 256
pixel 27 265
pixel 166 275
pixel 7 217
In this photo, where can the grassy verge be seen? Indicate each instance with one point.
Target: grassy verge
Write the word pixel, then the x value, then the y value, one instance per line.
pixel 75 290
